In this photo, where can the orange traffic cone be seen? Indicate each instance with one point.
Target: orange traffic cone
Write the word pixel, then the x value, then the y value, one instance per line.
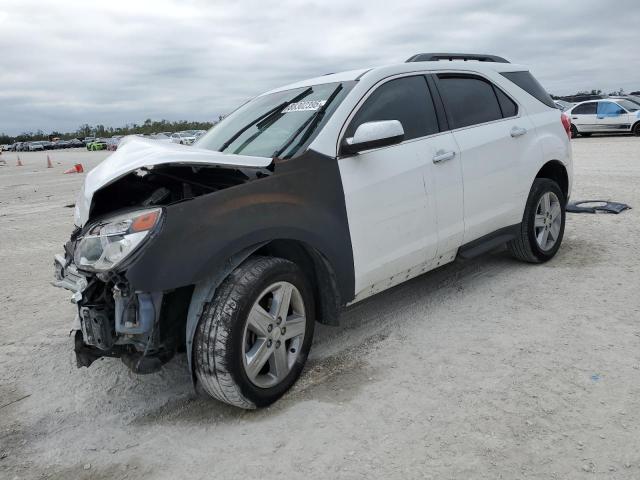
pixel 19 162
pixel 77 168
pixel 49 164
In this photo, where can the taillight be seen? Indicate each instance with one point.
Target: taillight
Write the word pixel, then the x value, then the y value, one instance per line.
pixel 566 123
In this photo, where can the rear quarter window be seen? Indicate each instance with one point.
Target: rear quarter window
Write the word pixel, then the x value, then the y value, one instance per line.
pixel 529 84
pixel 508 106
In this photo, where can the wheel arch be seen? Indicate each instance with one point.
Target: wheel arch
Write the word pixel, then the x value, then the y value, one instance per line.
pixel 313 263
pixel 556 171
pixel 319 271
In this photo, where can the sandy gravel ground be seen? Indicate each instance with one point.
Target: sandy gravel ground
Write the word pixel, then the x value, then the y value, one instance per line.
pixel 484 369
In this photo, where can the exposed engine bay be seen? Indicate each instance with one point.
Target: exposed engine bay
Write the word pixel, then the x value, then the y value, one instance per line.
pixel 165 185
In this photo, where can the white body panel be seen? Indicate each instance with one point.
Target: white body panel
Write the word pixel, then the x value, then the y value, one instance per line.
pixel 493 188
pixel 391 219
pixel 396 236
pixel 397 202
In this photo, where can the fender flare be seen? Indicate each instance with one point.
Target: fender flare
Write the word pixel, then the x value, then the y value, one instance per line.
pixel 203 292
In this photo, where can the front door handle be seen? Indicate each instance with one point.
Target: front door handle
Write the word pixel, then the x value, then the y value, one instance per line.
pixel 442 156
pixel 574 118
pixel 518 132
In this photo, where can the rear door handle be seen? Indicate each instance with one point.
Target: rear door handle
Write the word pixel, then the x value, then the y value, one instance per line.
pixel 442 156
pixel 518 132
pixel 574 118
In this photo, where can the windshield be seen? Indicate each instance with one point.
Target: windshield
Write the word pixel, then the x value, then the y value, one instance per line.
pixel 629 105
pixel 269 123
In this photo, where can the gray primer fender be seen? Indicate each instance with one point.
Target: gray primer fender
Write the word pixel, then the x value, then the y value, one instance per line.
pixel 203 292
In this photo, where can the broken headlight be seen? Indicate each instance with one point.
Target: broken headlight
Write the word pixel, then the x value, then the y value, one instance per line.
pixel 109 241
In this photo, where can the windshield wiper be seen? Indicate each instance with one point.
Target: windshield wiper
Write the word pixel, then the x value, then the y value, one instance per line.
pixel 308 126
pixel 265 117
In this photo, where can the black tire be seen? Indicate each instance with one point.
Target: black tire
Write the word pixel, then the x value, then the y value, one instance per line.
pixel 525 247
pixel 636 129
pixel 574 131
pixel 218 343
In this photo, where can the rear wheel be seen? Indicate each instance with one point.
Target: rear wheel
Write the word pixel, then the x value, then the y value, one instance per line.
pixel 542 225
pixel 636 129
pixel 254 337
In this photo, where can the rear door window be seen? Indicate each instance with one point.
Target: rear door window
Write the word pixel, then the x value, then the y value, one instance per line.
pixel 406 99
pixel 588 108
pixel 468 100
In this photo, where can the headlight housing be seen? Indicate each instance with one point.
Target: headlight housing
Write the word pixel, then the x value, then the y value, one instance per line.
pixel 110 241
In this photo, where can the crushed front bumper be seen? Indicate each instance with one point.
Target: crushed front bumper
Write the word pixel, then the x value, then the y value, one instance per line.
pixel 112 321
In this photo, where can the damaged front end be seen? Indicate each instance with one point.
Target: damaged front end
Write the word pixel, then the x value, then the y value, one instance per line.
pixel 118 213
pixel 112 319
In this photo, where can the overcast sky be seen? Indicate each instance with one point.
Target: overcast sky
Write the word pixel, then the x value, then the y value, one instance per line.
pixel 65 62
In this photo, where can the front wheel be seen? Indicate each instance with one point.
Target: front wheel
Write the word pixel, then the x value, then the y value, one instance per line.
pixel 636 129
pixel 542 226
pixel 253 338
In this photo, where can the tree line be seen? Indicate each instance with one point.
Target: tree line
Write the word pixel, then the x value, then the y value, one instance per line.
pixel 594 92
pixel 149 126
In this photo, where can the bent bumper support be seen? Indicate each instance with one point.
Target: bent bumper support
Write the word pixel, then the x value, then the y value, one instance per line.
pixel 124 328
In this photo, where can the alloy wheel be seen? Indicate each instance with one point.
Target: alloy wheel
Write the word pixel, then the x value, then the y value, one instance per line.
pixel 273 334
pixel 548 221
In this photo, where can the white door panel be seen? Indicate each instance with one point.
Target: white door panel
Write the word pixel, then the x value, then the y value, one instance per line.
pixel 391 219
pixel 444 190
pixel 585 123
pixel 583 116
pixel 490 158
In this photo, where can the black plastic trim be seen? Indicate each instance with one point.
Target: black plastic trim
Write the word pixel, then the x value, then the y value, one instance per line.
pixel 435 57
pixel 489 242
pixel 302 200
pixel 441 113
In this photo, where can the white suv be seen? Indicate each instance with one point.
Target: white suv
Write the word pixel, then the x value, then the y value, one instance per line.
pixel 183 138
pixel 306 199
pixel 605 116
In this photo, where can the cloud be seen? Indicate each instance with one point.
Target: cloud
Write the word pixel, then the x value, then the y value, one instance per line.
pixel 70 62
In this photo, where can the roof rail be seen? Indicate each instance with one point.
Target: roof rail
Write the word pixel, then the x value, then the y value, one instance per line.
pixel 434 57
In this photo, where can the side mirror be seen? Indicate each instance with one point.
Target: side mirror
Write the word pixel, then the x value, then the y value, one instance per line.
pixel 374 135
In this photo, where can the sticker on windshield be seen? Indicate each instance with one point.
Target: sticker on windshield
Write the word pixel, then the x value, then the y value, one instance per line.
pixel 304 106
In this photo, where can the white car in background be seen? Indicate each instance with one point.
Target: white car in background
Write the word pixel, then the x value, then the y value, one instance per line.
pixel 604 116
pixel 160 137
pixel 183 138
pixel 36 146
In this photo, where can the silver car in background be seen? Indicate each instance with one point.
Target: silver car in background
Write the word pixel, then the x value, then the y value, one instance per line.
pixel 183 138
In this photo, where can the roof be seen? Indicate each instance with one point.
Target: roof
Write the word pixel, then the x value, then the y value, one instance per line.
pixel 386 70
